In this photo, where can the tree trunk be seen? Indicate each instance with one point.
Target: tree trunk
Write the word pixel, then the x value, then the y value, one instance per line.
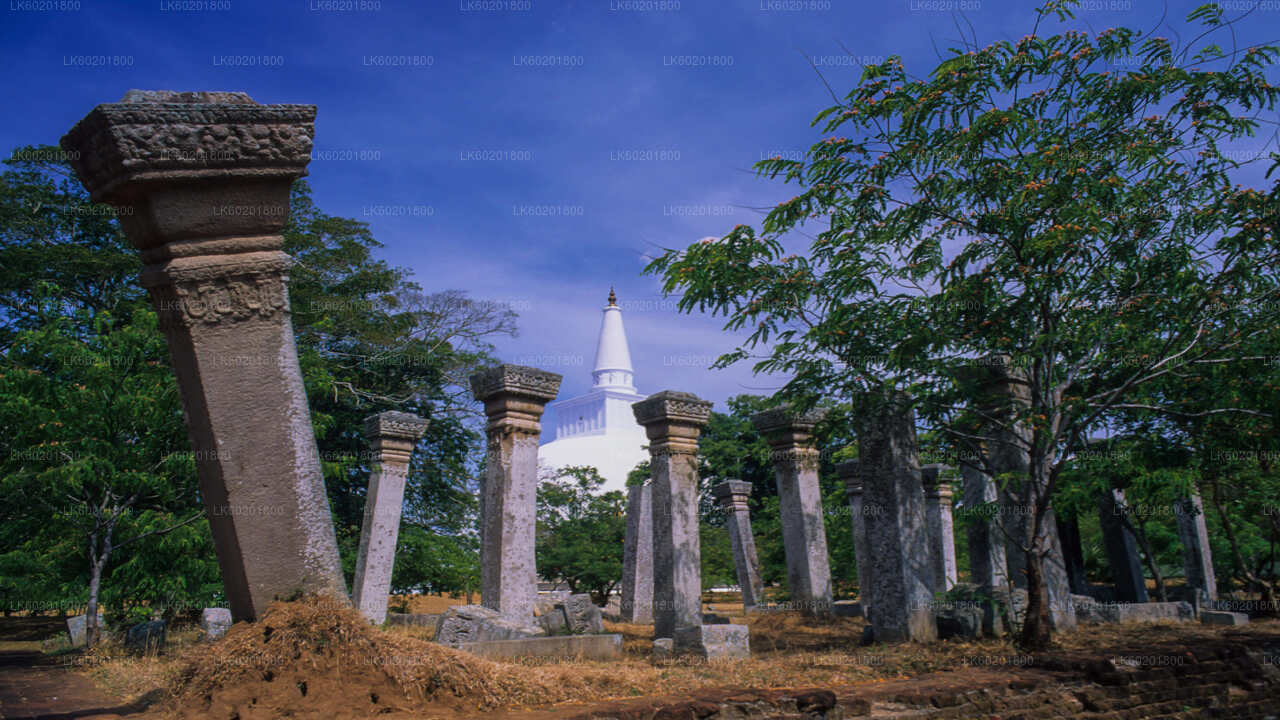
pixel 91 629
pixel 1035 626
pixel 1140 532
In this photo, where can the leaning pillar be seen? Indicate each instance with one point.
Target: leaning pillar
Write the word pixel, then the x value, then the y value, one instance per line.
pixel 514 397
pixel 1122 549
pixel 1197 558
pixel 204 181
pixel 942 532
pixel 732 496
pixel 850 473
pixel 637 557
pixel 673 421
pixel 893 499
pixel 392 436
pixel 804 536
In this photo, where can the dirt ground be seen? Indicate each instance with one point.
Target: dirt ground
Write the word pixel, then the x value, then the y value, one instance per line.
pixel 317 662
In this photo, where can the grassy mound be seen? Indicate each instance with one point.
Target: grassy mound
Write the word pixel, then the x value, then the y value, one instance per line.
pixel 320 658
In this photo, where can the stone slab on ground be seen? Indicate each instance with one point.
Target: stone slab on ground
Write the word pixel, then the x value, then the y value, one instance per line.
pixel 476 623
pixel 215 622
pixel 583 615
pixel 715 641
pixel 76 628
pixel 413 619
pixel 1222 617
pixel 1135 612
pixel 146 636
pixel 563 647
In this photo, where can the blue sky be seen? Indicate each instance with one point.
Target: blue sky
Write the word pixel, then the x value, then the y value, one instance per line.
pixel 531 152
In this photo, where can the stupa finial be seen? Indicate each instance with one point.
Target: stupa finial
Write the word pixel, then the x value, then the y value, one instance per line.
pixel 613 299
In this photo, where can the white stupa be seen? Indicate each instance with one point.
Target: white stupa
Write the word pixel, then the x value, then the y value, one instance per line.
pixel 597 427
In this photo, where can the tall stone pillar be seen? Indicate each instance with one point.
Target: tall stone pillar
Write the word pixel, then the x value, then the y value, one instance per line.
pixel 392 436
pixel 987 567
pixel 1197 558
pixel 1122 549
pixel 850 473
pixel 804 536
pixel 673 421
pixel 202 180
pixel 893 500
pixel 514 397
pixel 942 532
pixel 1009 456
pixel 637 556
pixel 732 496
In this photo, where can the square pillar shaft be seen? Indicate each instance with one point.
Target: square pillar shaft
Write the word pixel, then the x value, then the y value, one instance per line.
pixel 942 534
pixel 204 179
pixel 1073 555
pixel 987 567
pixel 893 500
pixel 514 398
pixel 732 496
pixel 637 557
pixel 392 435
pixel 1122 549
pixel 1197 557
pixel 851 474
pixel 1009 458
pixel 804 535
pixel 673 421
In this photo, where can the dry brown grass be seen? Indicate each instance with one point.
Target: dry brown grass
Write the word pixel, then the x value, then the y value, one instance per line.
pixel 318 658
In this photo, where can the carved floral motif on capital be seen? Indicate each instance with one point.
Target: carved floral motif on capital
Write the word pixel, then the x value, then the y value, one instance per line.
pixel 672 407
pixel 395 424
pixel 162 135
pixel 516 380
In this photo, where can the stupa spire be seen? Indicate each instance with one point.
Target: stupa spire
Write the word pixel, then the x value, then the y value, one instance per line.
pixel 613 357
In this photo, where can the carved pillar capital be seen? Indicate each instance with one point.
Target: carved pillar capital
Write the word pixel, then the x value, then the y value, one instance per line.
pixel 732 495
pixel 673 421
pixel 392 435
pixel 514 397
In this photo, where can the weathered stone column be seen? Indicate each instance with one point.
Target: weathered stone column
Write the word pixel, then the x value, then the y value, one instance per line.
pixel 942 531
pixel 893 500
pixel 637 557
pixel 732 496
pixel 987 567
pixel 850 473
pixel 1122 549
pixel 1008 455
pixel 1197 558
pixel 514 397
pixel 392 436
pixel 673 421
pixel 202 182
pixel 795 464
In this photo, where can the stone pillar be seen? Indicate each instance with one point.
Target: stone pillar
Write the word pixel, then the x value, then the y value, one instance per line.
pixel 850 472
pixel 893 501
pixel 942 532
pixel 514 397
pixel 1197 558
pixel 732 496
pixel 637 557
pixel 1122 549
pixel 202 180
pixel 673 421
pixel 1009 455
pixel 804 536
pixel 987 567
pixel 1073 555
pixel 392 436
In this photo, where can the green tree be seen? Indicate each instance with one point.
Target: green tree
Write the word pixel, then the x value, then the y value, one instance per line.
pixel 1025 199
pixel 580 531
